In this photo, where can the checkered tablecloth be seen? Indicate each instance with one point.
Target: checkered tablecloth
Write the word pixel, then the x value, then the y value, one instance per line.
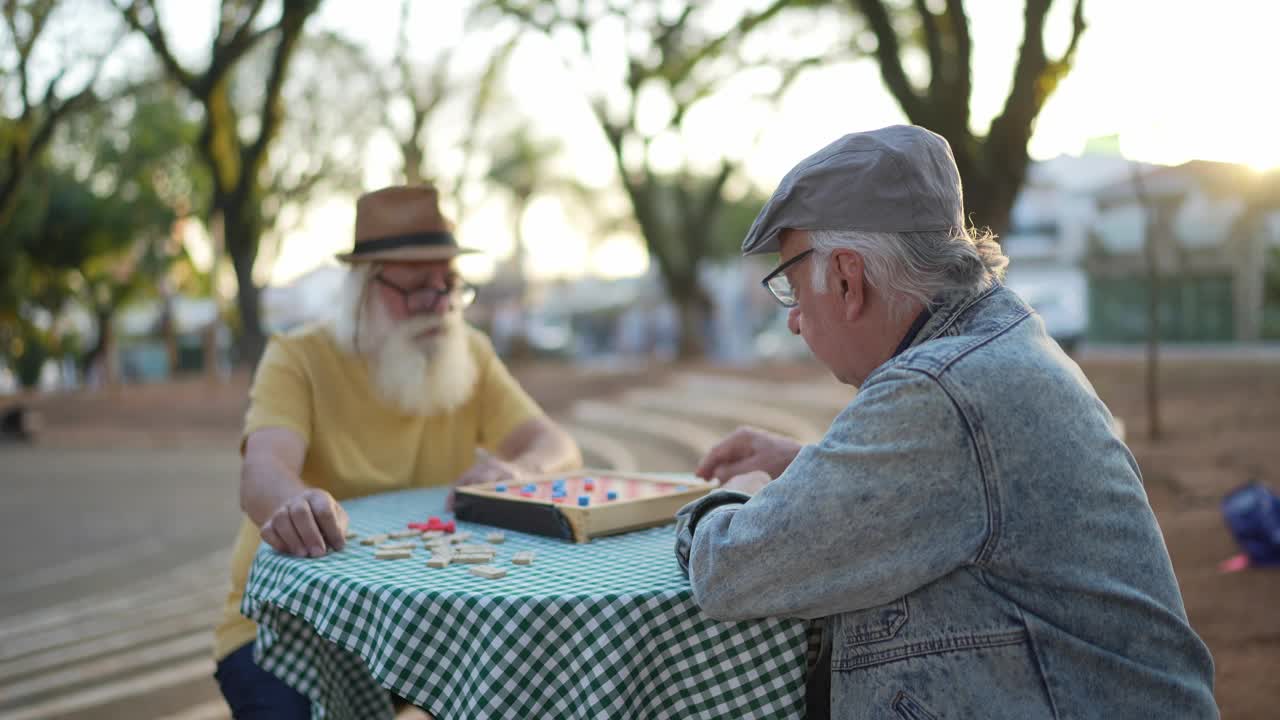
pixel 607 629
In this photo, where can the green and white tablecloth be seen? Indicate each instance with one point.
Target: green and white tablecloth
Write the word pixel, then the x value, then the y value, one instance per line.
pixel 607 629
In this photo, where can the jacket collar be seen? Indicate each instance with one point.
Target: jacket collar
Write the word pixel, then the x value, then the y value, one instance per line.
pixel 947 308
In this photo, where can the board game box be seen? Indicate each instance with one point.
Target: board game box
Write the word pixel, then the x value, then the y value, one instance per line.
pixel 580 505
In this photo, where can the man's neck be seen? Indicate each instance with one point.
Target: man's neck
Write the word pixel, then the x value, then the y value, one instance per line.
pixel 880 336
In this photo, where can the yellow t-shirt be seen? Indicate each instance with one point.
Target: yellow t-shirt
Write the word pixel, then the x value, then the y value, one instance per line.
pixel 356 443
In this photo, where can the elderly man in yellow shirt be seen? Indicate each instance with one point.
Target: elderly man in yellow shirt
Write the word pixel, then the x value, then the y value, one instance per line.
pixel 394 391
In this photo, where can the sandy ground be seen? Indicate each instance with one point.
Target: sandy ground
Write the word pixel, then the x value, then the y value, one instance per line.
pixel 1221 428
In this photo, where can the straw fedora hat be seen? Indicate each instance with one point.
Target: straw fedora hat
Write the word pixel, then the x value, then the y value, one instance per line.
pixel 402 224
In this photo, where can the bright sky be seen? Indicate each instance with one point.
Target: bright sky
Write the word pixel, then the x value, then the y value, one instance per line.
pixel 1174 80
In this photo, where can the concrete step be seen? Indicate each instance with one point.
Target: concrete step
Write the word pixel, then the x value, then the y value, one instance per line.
pixel 601 450
pixel 723 413
pixel 683 440
pixel 112 614
pixel 818 399
pixel 125 648
pixel 133 691
pixel 110 669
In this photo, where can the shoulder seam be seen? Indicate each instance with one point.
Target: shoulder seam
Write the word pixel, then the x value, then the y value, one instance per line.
pixel 993 517
pixel 984 340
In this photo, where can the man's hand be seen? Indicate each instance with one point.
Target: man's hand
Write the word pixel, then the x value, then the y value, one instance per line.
pixel 745 450
pixel 488 469
pixel 749 483
pixel 306 523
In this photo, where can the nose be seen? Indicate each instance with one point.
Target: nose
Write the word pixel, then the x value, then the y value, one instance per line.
pixel 438 303
pixel 793 321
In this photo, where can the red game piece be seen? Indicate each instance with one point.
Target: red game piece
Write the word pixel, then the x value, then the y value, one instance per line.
pixel 434 523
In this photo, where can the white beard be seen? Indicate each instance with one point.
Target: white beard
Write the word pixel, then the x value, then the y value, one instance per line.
pixel 421 376
pixel 425 375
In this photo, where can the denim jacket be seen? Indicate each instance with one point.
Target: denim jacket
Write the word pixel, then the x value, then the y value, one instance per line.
pixel 975 535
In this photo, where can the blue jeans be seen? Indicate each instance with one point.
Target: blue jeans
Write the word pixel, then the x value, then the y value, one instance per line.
pixel 255 694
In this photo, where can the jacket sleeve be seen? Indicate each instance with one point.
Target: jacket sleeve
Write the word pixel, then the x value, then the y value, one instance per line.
pixel 892 498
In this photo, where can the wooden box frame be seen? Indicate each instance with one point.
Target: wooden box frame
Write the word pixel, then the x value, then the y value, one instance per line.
pixel 483 504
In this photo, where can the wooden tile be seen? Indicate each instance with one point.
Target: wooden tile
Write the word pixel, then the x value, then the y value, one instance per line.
pixel 392 554
pixel 488 571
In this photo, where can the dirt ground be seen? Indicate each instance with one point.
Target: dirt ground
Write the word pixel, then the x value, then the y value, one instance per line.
pixel 1221 428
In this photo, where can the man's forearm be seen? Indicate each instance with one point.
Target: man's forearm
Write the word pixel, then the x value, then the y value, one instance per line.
pixel 547 451
pixel 265 484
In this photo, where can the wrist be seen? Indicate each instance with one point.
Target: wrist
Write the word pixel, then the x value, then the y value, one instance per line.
pixel 535 464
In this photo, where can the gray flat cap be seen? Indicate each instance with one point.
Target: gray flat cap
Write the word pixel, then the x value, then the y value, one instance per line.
pixel 901 178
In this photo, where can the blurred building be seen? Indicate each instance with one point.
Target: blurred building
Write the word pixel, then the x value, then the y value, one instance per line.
pixel 1047 238
pixel 157 340
pixel 1216 232
pixel 307 298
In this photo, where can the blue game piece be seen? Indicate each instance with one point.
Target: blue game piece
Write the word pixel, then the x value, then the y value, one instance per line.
pixel 584 500
pixel 612 495
pixel 530 488
pixel 500 487
pixel 558 492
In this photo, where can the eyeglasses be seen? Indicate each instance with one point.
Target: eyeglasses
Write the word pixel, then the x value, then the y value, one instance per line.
pixel 461 294
pixel 779 285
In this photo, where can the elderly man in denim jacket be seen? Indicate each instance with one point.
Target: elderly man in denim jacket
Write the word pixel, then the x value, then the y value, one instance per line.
pixel 971 528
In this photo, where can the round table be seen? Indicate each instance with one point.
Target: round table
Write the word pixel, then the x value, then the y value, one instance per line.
pixel 606 629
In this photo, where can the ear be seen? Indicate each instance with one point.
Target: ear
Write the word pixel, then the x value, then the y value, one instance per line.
pixel 847 267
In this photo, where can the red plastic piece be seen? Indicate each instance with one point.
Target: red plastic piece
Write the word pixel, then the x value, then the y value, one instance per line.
pixel 434 523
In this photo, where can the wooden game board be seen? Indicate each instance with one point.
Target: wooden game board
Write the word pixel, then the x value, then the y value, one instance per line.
pixel 641 501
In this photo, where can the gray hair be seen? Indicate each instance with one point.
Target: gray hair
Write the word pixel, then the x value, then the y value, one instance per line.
pixel 916 266
pixel 344 322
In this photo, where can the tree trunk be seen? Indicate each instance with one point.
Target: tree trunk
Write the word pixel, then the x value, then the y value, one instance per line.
pixel 694 308
pixel 9 193
pixel 989 200
pixel 1153 348
pixel 169 329
pixel 209 346
pixel 102 357
pixel 1155 226
pixel 242 231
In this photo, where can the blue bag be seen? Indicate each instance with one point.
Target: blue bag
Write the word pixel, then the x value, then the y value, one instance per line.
pixel 1252 513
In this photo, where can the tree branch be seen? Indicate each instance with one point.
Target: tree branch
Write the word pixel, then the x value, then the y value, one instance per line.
pixel 485 93
pixel 272 114
pixel 962 85
pixel 1012 128
pixel 242 35
pixel 670 32
pixel 155 36
pixel 23 45
pixel 744 26
pixel 225 57
pixel 1077 29
pixel 702 219
pixel 890 61
pixel 938 77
